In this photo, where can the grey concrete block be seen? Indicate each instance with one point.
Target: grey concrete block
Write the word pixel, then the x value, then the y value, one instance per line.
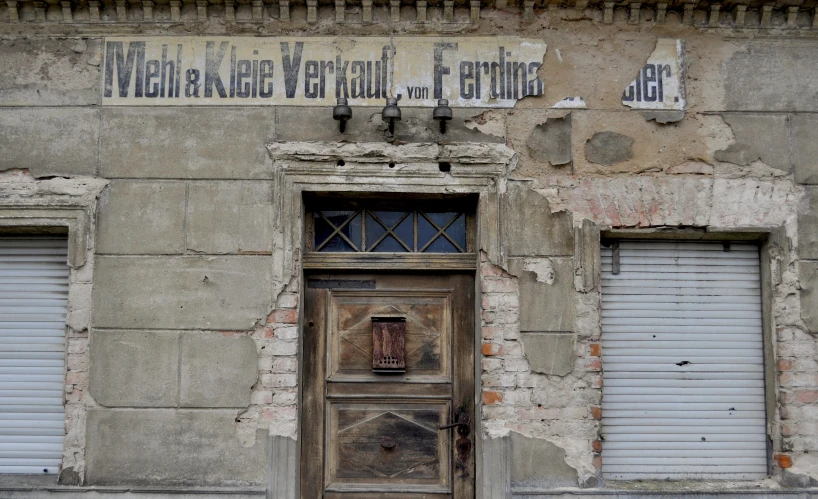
pixel 142 218
pixel 550 142
pixel 496 467
pixel 549 353
pixel 50 72
pixel 282 482
pixel 537 463
pixel 134 368
pixel 212 142
pixel 586 256
pixel 230 217
pixel 229 292
pixel 805 148
pixel 366 125
pixel 608 148
pixel 49 141
pixel 171 447
pixel 772 76
pixel 217 370
pixel 808 224
pixel 808 278
pixel 531 228
pixel 546 293
pixel 758 137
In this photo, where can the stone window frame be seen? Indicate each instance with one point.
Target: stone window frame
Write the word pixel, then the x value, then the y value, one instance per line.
pixel 299 167
pixel 61 206
pixel 769 240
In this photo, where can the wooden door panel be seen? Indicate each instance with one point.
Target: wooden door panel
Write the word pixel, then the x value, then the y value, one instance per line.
pixel 369 434
pixel 428 333
pixel 388 443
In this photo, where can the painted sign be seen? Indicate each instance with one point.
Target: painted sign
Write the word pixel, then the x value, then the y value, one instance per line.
pixel 659 85
pixel 299 71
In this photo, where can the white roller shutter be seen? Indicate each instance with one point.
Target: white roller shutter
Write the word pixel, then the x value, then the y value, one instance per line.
pixel 33 301
pixel 683 392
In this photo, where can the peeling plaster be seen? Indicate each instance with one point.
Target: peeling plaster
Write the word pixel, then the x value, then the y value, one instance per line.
pixel 542 267
pixel 666 67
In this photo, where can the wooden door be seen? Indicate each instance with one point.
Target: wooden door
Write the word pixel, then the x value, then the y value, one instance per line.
pixel 374 433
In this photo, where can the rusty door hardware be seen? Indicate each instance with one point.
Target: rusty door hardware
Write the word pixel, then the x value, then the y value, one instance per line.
pixel 462 445
pixel 388 344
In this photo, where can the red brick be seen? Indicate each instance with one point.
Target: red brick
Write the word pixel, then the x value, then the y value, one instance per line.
pixel 492 349
pixel 287 316
pixel 492 398
pixel 596 413
pixel 784 364
pixel 806 396
pixel 596 350
pixel 597 446
pixel 786 429
pixel 595 365
pixel 597 462
pixel 783 460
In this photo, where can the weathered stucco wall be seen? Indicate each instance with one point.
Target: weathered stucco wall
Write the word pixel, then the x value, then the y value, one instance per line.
pixel 192 331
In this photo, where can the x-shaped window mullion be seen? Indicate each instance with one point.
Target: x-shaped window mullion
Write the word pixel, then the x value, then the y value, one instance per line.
pixel 389 231
pixel 337 230
pixel 441 232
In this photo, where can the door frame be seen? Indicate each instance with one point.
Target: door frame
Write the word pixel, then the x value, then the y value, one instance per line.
pixel 301 167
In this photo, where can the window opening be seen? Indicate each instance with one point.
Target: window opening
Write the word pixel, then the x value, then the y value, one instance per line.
pixel 394 231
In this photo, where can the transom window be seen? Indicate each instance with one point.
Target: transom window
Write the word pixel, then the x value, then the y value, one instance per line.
pixel 387 227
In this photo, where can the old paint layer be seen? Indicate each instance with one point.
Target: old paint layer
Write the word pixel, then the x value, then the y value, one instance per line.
pixel 302 71
pixel 660 84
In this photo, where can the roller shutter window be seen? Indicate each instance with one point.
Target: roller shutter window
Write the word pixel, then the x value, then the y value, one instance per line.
pixel 683 394
pixel 33 302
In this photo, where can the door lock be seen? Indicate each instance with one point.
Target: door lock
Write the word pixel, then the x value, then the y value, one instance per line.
pixel 462 445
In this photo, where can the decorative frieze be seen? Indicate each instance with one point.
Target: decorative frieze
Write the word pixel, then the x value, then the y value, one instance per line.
pixel 448 10
pixel 366 11
pixel 636 8
pixel 66 11
pixel 421 8
pixel 201 10
pixel 709 12
pixel 792 16
pixel 175 10
pixel 687 17
pixel 284 10
pixel 394 10
pixel 93 10
pixel 766 14
pixel 608 12
pixel 661 13
pixel 121 11
pixel 714 14
pixel 14 15
pixel 147 10
pixel 739 14
pixel 39 11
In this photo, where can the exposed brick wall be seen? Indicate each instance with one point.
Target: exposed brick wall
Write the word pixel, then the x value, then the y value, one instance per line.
pixel 274 399
pixel 564 410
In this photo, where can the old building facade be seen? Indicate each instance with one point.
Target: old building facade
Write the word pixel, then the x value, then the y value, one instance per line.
pixel 600 274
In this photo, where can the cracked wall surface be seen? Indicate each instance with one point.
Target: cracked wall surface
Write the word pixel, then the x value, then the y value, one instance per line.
pixel 184 251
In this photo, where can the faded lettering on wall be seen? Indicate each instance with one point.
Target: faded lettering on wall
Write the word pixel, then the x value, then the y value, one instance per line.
pixel 469 72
